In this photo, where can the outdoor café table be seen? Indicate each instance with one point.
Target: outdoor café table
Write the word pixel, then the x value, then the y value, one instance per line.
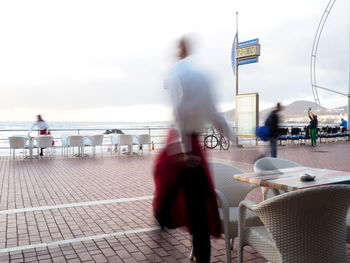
pixel 87 142
pixel 288 179
pixel 30 148
pixel 130 147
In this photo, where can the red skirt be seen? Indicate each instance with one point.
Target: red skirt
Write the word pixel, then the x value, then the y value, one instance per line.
pixel 167 173
pixel 46 132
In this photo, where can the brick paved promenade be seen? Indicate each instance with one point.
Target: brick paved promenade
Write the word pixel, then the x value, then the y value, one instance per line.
pixel 99 209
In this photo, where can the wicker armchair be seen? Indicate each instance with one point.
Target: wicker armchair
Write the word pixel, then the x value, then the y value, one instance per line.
pixel 300 226
pixel 230 193
pixel 268 164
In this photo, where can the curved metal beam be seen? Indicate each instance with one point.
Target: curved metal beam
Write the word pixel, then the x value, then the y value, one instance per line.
pixel 316 41
pixel 334 91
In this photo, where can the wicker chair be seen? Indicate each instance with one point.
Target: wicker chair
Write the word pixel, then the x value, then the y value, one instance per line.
pixel 230 193
pixel 300 226
pixel 268 164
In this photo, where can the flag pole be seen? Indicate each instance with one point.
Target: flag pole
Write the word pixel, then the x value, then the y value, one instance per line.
pixel 236 70
pixel 236 45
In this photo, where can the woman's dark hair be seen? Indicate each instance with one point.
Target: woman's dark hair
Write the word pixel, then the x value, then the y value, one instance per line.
pixel 185 46
pixel 39 117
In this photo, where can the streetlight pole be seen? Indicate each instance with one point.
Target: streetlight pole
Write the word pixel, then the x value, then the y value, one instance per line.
pixel 349 77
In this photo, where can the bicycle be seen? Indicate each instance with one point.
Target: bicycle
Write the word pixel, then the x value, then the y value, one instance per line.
pixel 214 139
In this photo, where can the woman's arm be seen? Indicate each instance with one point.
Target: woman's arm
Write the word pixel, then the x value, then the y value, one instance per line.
pixel 310 114
pixel 224 128
pixel 31 128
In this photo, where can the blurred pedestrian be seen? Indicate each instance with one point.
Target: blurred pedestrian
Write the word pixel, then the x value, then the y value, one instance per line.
pixel 272 122
pixel 343 123
pixel 312 126
pixel 43 129
pixel 185 194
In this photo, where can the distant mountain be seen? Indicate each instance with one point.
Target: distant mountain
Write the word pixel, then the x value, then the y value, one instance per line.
pixel 296 109
pixel 299 106
pixel 297 112
pixel 344 108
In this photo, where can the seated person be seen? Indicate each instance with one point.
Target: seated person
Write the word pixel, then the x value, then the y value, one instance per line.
pixel 43 129
pixel 343 123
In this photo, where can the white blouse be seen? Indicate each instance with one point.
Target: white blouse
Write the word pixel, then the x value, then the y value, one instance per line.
pixel 41 125
pixel 193 103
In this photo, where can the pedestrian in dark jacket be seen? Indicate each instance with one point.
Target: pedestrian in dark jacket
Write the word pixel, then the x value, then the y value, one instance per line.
pixel 272 123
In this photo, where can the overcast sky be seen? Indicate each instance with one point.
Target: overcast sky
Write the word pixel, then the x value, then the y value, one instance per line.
pixel 106 60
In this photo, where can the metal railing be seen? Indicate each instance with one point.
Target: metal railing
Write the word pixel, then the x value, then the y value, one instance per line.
pixel 157 134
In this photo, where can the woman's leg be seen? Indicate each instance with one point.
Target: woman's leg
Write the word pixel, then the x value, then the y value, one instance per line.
pixel 195 186
pixel 310 135
pixel 273 145
pixel 313 137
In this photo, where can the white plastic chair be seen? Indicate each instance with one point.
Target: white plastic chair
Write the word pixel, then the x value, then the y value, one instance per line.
pixel 301 226
pixel 17 142
pixel 77 141
pixel 64 143
pixel 96 140
pixel 44 141
pixel 128 140
pixel 230 193
pixel 142 140
pixel 269 164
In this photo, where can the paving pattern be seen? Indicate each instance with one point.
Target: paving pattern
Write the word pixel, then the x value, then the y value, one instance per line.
pixel 99 209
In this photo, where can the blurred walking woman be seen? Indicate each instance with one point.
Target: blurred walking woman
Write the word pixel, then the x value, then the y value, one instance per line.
pixel 312 127
pixel 43 128
pixel 184 190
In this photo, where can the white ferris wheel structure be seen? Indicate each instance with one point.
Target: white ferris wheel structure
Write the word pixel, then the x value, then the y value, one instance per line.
pixel 314 85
